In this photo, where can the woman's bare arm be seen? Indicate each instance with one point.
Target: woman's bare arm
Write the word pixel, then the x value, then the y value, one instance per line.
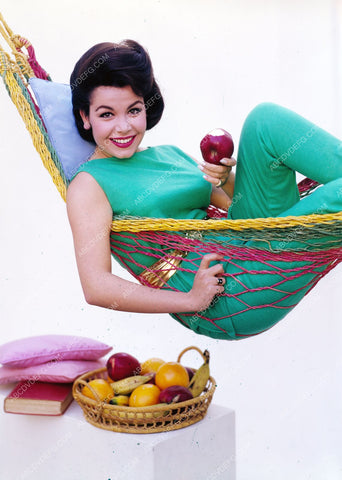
pixel 90 217
pixel 220 199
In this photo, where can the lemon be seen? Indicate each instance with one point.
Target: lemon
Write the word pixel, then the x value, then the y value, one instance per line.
pixel 101 388
pixel 151 365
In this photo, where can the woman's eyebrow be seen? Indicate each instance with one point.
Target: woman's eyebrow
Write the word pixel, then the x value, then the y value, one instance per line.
pixel 110 108
pixel 103 106
pixel 135 103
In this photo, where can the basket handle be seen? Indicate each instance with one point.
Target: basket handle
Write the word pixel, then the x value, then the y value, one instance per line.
pixel 191 348
pixel 93 391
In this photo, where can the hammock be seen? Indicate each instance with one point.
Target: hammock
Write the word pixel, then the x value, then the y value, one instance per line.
pixel 277 241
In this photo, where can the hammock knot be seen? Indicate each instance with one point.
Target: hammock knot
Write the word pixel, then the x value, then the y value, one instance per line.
pixel 194 235
pixel 20 42
pixel 17 41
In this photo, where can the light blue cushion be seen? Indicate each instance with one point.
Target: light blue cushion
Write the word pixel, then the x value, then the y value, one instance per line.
pixel 54 101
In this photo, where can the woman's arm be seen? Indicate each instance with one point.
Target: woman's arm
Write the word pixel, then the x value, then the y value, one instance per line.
pixel 220 196
pixel 220 199
pixel 90 217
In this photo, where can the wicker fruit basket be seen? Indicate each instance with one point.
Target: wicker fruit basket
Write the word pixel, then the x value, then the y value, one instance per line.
pixel 151 419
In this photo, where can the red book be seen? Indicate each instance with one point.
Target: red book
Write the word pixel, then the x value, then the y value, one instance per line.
pixel 39 398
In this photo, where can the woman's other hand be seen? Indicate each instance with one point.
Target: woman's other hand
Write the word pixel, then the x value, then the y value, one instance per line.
pixel 208 282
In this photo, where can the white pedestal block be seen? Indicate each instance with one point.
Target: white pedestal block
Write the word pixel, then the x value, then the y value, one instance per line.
pixel 68 448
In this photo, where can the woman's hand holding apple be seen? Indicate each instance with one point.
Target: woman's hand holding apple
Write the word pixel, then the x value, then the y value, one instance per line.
pixel 218 173
pixel 217 148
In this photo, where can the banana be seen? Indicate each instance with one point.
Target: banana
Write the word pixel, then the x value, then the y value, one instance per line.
pixel 201 376
pixel 119 400
pixel 128 384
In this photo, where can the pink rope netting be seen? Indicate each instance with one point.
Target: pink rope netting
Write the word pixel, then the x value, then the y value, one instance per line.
pixel 280 266
pixel 38 71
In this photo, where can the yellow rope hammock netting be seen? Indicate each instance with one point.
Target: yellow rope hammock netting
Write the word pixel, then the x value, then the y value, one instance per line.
pixel 141 244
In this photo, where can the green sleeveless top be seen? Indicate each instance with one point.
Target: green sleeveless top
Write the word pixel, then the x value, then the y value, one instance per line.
pixel 159 182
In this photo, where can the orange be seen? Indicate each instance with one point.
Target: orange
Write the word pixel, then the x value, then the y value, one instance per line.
pixel 171 373
pixel 151 365
pixel 144 395
pixel 101 387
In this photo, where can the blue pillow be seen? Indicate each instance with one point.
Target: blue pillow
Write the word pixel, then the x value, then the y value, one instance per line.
pixel 54 101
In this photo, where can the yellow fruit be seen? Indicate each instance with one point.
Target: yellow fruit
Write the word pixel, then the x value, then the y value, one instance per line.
pixel 147 394
pixel 151 365
pixel 171 373
pixel 102 389
pixel 126 385
pixel 119 400
pixel 200 377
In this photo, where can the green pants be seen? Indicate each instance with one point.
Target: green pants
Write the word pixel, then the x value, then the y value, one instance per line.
pixel 274 144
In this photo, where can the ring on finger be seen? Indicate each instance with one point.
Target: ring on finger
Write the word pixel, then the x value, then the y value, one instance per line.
pixel 221 182
pixel 220 281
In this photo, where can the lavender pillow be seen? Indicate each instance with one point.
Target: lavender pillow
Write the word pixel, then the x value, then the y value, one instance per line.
pixel 31 351
pixel 54 371
pixel 54 100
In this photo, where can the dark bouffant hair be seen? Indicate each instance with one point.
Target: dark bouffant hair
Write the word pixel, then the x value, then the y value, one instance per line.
pixel 118 65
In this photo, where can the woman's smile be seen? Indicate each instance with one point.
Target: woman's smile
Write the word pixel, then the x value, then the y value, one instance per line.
pixel 123 142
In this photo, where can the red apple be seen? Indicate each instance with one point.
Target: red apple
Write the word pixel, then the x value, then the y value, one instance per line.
pixel 216 145
pixel 174 394
pixel 190 372
pixel 121 365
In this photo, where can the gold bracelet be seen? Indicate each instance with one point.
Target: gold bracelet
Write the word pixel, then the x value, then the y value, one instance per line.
pixel 158 274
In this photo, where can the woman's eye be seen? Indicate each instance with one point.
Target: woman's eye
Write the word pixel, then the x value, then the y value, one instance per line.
pixel 106 115
pixel 135 111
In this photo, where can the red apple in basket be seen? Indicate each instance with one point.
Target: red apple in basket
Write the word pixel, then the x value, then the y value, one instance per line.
pixel 121 365
pixel 216 145
pixel 190 372
pixel 174 394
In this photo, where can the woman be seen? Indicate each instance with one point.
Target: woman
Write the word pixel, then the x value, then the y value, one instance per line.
pixel 114 104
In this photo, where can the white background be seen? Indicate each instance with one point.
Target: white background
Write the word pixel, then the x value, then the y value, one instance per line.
pixel 214 61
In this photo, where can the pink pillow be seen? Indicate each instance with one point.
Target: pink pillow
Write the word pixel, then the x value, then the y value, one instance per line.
pixel 31 351
pixel 54 372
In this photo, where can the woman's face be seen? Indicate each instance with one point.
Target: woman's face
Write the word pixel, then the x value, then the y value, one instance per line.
pixel 117 117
